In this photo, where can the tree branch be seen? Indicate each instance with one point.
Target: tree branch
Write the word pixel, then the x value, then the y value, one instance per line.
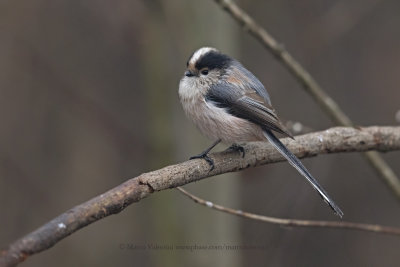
pixel 333 140
pixel 380 229
pixel 310 85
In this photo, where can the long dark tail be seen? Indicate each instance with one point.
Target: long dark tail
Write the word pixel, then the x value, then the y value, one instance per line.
pixel 295 162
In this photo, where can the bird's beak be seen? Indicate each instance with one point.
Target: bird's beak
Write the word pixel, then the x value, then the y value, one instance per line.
pixel 188 73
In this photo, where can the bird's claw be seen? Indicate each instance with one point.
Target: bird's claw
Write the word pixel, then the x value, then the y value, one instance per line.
pixel 236 147
pixel 205 156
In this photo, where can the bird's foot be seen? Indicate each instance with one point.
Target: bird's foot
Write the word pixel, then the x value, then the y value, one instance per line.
pixel 204 155
pixel 238 148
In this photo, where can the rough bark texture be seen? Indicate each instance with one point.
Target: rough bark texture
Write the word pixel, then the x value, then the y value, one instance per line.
pixel 334 140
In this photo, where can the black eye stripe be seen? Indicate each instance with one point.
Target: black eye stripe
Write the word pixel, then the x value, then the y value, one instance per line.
pixel 213 60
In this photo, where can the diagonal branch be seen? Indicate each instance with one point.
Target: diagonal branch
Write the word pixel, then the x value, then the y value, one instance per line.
pixel 380 229
pixel 334 140
pixel 310 85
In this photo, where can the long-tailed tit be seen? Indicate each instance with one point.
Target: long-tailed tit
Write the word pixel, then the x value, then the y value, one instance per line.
pixel 229 104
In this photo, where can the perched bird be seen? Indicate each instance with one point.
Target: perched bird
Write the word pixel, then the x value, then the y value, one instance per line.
pixel 228 103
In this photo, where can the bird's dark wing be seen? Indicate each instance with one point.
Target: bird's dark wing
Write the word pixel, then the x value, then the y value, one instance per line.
pixel 249 100
pixel 247 104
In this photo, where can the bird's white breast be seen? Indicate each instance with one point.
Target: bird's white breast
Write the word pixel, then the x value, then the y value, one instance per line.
pixel 212 121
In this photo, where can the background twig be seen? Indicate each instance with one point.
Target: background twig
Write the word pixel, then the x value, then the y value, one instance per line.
pixel 311 86
pixel 334 140
pixel 293 222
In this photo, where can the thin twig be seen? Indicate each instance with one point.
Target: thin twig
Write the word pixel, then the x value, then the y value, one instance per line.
pixel 311 86
pixel 334 140
pixel 294 222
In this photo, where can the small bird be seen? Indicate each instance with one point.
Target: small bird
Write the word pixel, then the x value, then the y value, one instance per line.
pixel 228 103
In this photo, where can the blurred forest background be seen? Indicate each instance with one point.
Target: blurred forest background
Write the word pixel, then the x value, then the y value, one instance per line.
pixel 88 99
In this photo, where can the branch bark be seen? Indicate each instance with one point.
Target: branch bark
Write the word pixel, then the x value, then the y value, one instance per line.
pixel 311 86
pixel 334 140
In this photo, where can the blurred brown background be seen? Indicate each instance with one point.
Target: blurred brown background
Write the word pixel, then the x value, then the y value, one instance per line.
pixel 88 99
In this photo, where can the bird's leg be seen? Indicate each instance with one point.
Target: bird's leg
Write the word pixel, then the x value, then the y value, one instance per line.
pixel 204 154
pixel 236 147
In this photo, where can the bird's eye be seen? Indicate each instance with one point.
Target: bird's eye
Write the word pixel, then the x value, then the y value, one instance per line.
pixel 204 72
